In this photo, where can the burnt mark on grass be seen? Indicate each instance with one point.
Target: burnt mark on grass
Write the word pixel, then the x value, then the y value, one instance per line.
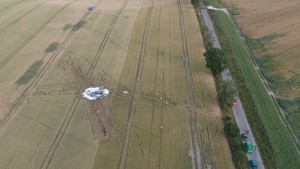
pixel 78 25
pixel 29 73
pixel 52 47
pixel 67 27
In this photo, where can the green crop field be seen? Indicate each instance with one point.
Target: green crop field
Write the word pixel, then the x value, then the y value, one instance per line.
pixel 285 155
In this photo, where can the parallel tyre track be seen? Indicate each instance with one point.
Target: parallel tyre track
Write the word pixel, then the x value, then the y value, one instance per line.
pixel 196 148
pixel 18 102
pixel 24 43
pixel 48 158
pixel 132 107
pixel 9 6
pixel 155 80
pixel 20 17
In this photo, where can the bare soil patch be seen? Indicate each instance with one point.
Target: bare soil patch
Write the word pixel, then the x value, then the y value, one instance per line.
pixel 99 109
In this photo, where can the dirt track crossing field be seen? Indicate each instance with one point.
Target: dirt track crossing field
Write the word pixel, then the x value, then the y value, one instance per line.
pixel 53 50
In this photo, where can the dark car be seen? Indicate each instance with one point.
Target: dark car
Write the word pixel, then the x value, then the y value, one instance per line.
pixel 253 164
pixel 244 137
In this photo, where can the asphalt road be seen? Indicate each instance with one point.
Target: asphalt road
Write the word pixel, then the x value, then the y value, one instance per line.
pixel 238 110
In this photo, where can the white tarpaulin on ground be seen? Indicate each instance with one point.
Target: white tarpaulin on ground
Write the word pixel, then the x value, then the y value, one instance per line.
pixel 93 93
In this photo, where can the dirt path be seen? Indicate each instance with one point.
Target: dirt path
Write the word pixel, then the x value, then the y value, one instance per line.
pixel 195 143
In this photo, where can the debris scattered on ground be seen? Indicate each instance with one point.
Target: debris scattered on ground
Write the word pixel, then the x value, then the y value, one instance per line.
pixel 93 93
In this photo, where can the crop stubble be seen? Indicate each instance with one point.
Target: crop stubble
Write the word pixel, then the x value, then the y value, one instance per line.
pixel 153 71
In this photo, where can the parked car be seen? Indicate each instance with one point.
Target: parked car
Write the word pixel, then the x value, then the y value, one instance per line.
pixel 253 164
pixel 248 147
pixel 244 137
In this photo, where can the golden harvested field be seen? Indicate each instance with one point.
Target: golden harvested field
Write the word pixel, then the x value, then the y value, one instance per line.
pixel 275 26
pixel 52 50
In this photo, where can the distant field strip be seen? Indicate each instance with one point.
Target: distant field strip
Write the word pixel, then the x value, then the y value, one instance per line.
pixel 281 141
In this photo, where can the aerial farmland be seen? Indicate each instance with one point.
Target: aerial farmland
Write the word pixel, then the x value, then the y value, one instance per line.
pixel 262 44
pixel 161 110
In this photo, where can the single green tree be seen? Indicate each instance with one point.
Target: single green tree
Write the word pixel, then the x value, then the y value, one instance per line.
pixel 215 60
pixel 230 128
pixel 226 94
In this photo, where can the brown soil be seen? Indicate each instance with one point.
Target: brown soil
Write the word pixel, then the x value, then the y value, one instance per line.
pixel 98 118
pixel 98 110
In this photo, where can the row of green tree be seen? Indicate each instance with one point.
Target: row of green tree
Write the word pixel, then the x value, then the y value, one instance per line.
pixel 215 61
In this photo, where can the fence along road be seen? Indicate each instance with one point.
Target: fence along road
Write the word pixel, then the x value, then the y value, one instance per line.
pixel 238 111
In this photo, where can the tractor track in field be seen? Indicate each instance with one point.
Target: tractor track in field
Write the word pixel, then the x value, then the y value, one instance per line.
pixel 161 123
pixel 24 43
pixel 12 5
pixel 155 80
pixel 132 107
pixel 162 106
pixel 18 102
pixel 47 160
pixel 20 17
pixel 61 131
pixel 195 144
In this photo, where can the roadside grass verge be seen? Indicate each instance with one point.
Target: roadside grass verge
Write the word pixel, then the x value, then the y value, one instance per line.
pixel 273 137
pixel 214 3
